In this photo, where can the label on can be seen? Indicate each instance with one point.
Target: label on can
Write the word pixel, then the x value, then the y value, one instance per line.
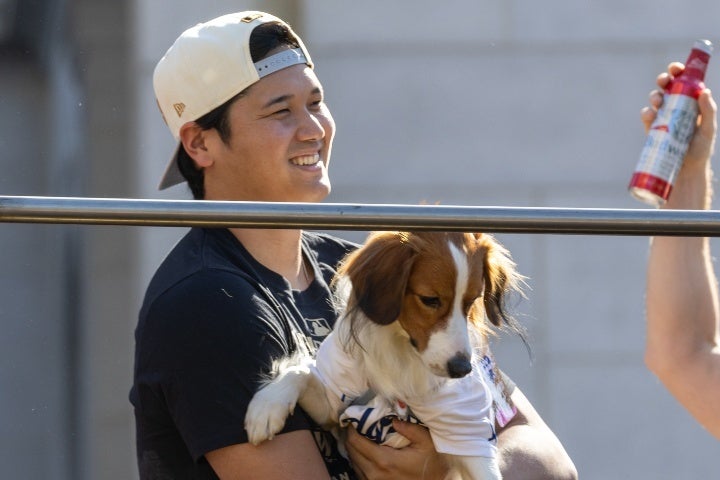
pixel 665 147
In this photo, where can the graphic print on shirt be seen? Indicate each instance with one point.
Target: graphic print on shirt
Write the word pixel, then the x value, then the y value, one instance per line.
pixel 319 328
pixel 373 419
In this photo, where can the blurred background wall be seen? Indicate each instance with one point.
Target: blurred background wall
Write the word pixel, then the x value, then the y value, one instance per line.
pixel 491 102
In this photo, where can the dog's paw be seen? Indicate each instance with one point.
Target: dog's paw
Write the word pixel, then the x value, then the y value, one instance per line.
pixel 266 416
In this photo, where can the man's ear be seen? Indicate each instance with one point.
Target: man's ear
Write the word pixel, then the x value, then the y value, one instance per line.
pixel 193 139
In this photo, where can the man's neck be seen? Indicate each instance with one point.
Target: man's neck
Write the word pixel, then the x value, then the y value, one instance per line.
pixel 278 250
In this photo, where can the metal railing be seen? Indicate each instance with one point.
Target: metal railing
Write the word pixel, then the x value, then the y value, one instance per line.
pixel 337 216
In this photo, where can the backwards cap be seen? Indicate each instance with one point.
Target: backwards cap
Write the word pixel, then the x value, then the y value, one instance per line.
pixel 208 65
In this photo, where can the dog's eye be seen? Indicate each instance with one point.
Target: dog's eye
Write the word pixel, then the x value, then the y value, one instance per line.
pixel 432 302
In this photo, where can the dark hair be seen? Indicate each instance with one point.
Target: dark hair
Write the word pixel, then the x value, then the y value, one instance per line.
pixel 263 40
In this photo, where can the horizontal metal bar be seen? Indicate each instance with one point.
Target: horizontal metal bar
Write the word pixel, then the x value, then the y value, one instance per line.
pixel 336 216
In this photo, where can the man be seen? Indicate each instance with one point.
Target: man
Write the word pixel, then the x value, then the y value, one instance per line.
pixel 241 98
pixel 682 301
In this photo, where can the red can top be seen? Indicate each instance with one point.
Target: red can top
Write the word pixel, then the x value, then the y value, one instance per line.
pixel 690 81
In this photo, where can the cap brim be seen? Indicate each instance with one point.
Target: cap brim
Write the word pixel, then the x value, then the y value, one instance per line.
pixel 172 175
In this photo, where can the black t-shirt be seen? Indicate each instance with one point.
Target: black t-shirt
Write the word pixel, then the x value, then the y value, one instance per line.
pixel 212 321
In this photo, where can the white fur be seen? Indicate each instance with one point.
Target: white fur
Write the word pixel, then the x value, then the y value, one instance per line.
pixel 277 398
pixel 446 343
pixel 394 368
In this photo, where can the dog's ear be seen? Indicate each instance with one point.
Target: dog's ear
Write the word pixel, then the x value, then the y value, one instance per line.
pixel 379 273
pixel 501 278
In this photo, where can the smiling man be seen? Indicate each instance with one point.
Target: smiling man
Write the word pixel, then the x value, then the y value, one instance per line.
pixel 240 96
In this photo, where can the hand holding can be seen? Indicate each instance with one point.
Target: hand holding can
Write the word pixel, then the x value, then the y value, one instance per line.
pixel 671 132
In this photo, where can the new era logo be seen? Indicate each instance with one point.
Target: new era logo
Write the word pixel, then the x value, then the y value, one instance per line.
pixel 179 108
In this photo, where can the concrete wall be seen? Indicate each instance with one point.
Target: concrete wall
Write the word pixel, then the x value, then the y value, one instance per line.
pixel 33 365
pixel 40 294
pixel 103 32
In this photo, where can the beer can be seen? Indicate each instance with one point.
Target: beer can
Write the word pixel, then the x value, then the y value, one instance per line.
pixel 671 132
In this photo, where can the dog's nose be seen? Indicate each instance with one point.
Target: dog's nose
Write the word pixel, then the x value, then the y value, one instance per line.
pixel 459 366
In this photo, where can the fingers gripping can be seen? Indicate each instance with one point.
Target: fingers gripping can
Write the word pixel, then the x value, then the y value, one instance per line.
pixel 671 132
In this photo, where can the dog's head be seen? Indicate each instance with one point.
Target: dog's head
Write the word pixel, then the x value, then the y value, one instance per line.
pixel 438 286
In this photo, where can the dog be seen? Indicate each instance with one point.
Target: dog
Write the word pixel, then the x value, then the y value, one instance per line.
pixel 411 342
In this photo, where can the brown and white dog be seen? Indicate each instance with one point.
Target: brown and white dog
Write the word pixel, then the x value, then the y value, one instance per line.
pixel 418 308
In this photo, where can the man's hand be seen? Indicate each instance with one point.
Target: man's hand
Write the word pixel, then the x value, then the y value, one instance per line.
pixel 419 460
pixel 527 450
pixel 703 142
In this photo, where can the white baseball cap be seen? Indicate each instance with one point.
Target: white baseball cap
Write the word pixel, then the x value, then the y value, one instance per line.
pixel 208 65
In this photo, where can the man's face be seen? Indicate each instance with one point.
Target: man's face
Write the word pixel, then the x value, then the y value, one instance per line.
pixel 280 143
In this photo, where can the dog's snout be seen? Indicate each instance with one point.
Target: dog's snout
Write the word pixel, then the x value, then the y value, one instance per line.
pixel 459 366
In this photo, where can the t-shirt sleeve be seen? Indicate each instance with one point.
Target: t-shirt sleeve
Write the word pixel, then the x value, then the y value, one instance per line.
pixel 208 341
pixel 459 417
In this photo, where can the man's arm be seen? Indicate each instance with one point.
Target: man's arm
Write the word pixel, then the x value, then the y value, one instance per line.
pixel 682 300
pixel 289 455
pixel 211 352
pixel 529 450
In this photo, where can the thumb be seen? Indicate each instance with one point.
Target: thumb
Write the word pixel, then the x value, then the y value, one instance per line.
pixel 412 431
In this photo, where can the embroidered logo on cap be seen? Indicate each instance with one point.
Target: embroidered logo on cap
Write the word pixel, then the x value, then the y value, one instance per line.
pixel 179 108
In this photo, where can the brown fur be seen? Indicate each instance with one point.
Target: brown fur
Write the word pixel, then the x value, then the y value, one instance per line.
pixel 394 271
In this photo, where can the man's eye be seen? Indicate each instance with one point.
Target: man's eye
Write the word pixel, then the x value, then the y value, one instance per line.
pixel 316 107
pixel 432 302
